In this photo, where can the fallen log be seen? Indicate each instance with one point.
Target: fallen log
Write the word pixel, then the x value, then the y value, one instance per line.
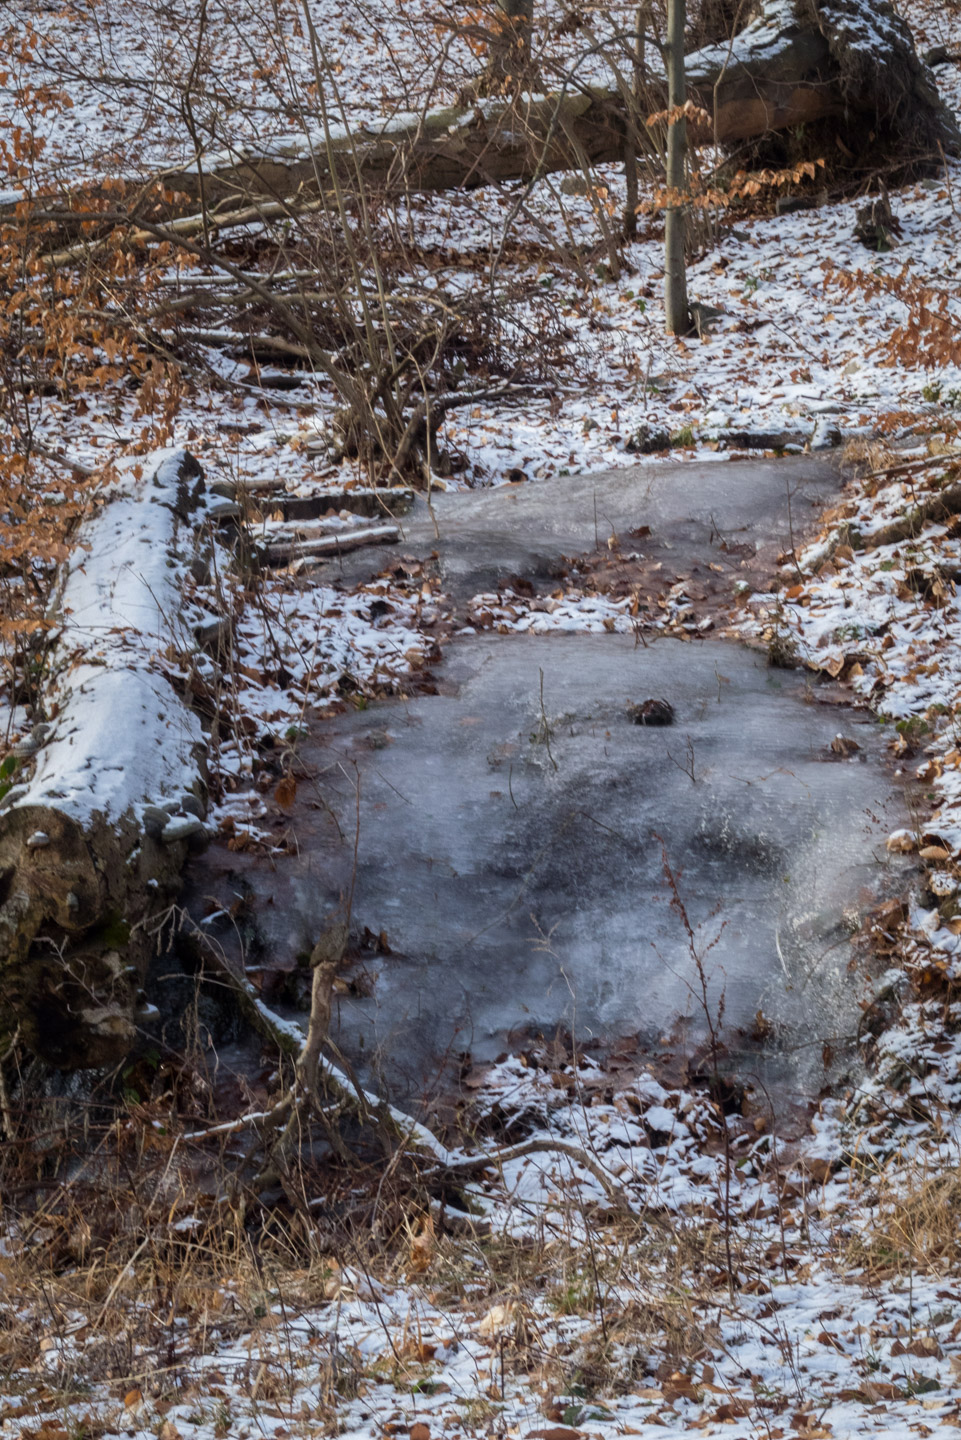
pixel 848 65
pixel 307 546
pixel 93 841
pixel 796 63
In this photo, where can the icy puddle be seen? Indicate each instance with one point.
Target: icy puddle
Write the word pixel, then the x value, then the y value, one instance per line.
pixel 510 848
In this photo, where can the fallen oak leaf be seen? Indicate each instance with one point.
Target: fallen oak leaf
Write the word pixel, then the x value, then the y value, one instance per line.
pixel 286 792
pixel 733 1410
pixel 555 1432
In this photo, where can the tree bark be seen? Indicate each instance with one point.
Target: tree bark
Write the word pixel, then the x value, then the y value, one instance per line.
pixel 800 62
pixel 510 50
pixel 676 314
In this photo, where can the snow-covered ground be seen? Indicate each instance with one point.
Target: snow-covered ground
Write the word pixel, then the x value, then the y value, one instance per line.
pixel 841 1311
pixel 807 333
pixel 753 1297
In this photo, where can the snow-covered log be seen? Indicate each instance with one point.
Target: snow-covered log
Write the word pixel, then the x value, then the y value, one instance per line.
pixel 92 843
pixel 458 146
pixel 794 63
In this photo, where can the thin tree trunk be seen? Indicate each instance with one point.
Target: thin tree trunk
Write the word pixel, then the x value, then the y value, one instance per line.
pixel 510 51
pixel 677 316
pixel 642 20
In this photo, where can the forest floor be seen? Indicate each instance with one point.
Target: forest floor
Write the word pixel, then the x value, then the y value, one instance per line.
pixel 686 1263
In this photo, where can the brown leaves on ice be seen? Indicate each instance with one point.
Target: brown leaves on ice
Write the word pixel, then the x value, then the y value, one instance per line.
pixel 286 792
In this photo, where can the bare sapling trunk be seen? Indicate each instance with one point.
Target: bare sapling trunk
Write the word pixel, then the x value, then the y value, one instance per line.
pixel 631 144
pixel 676 313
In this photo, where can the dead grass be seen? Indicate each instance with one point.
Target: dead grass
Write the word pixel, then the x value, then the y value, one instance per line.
pixel 863 456
pixel 913 1230
pixel 137 1255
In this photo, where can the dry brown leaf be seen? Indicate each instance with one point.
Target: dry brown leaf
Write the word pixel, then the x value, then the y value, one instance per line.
pixel 555 1432
pixel 286 792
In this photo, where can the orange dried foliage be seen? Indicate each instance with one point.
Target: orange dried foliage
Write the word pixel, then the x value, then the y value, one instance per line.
pixel 930 334
pixel 68 332
pixel 746 185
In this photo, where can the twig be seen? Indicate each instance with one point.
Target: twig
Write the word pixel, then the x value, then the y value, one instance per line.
pixel 87 472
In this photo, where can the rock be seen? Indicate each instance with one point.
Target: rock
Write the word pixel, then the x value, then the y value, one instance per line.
pixel 759 439
pixel 213 634
pixel 555 1432
pixel 648 440
pixel 704 317
pixel 576 185
pixel 652 712
pixel 198 840
pixel 826 434
pixel 937 55
pixel 155 818
pixel 181 827
pixel 31 743
pixel 788 204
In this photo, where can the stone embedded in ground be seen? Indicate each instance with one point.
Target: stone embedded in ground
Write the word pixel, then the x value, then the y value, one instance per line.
pixel 652 712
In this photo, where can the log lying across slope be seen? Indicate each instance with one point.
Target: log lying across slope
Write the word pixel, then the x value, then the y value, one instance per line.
pixel 851 62
pixel 92 844
pixel 799 62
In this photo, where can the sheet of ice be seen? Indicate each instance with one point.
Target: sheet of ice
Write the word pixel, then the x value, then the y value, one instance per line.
pixel 512 854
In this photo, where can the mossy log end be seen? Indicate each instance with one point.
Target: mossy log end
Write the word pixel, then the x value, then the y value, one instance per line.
pixel 75 932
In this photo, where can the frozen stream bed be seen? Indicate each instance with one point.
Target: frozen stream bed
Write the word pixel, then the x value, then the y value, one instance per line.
pixel 511 851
